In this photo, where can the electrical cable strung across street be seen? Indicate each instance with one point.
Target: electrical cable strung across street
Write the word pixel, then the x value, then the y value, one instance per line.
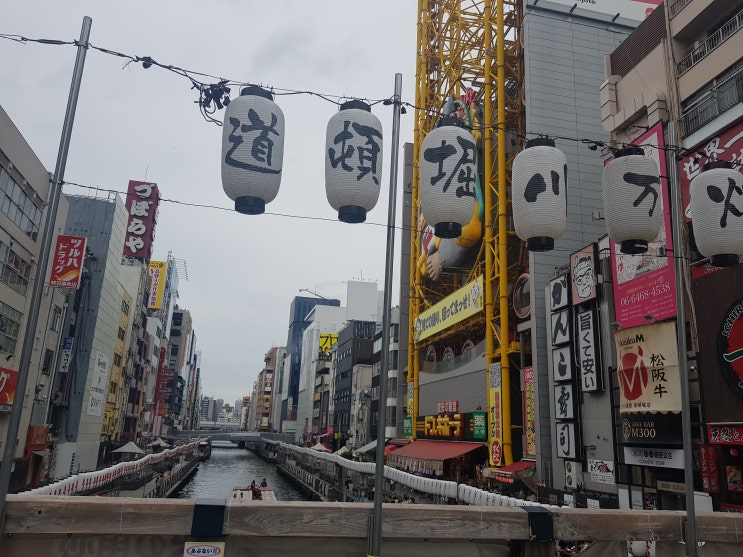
pixel 214 96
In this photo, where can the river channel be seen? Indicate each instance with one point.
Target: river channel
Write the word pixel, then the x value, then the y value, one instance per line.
pixel 230 467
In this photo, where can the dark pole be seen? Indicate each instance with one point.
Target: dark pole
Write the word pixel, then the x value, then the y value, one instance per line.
pixel 55 190
pixel 376 526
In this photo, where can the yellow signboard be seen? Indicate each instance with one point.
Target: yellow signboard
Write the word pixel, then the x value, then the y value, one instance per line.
pixel 464 303
pixel 495 419
pixel 327 341
pixel 157 275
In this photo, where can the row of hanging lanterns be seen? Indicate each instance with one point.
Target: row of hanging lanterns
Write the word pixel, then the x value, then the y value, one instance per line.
pixel 253 151
pixel 633 205
pixel 252 159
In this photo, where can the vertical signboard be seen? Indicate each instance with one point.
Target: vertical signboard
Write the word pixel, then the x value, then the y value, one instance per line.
pixel 142 200
pixel 495 434
pixel 530 411
pixel 8 379
pixel 565 439
pixel 588 352
pixel 67 263
pixel 158 272
pixel 98 385
pixel 645 284
pixel 708 464
pixel 649 385
pixel 65 355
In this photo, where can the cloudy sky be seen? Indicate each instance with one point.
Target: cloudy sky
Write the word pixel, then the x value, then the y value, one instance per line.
pixel 136 123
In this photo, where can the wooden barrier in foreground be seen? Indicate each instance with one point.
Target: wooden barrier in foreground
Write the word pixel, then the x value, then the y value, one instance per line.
pixel 128 527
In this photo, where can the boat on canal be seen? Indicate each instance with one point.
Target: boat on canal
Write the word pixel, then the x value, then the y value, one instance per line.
pixel 244 494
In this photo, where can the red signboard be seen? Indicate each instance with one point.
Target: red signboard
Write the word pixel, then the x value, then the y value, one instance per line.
pixel 8 379
pixel 645 284
pixel 725 434
pixel 708 463
pixel 67 265
pixel 725 146
pixel 142 200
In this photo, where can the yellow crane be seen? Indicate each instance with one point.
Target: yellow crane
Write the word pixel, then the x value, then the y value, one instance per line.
pixel 469 53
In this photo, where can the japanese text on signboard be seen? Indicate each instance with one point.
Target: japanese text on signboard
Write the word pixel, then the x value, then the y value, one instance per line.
pixel 142 200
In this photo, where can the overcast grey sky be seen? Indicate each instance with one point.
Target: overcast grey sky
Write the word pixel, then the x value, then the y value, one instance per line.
pixel 136 123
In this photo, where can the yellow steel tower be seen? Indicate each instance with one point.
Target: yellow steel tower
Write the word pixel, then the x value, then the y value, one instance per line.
pixel 471 50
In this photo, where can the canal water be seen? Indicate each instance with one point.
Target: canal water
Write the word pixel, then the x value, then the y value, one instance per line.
pixel 231 467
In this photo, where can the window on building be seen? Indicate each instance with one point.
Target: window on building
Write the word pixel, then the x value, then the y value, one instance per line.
pixel 56 323
pixel 18 206
pixel 14 270
pixel 112 388
pixel 46 365
pixel 122 334
pixel 124 307
pixel 10 325
pixel 117 359
pixel 174 350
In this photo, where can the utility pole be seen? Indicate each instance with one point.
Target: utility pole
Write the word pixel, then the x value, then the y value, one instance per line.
pixel 55 190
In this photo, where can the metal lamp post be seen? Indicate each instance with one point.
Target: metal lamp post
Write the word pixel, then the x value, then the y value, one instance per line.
pixel 375 541
pixel 55 190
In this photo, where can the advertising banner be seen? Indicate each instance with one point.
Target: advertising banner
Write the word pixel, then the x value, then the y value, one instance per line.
pixel 649 384
pixel 495 431
pixel 98 386
pixel 708 464
pixel 601 471
pixel 158 271
pixel 327 341
pixel 725 146
pixel 464 303
pixel 142 200
pixel 67 263
pixel 8 379
pixel 645 284
pixel 530 411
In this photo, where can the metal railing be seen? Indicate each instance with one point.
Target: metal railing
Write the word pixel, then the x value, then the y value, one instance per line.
pixel 718 100
pixel 712 42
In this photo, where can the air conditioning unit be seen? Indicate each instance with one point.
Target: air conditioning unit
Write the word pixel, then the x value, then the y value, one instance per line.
pixel 573 474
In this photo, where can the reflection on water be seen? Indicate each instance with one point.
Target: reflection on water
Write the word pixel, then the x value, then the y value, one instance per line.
pixel 228 468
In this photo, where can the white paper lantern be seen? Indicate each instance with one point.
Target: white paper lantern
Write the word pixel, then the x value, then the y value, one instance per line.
pixel 633 200
pixel 252 150
pixel 353 161
pixel 716 202
pixel 448 178
pixel 539 196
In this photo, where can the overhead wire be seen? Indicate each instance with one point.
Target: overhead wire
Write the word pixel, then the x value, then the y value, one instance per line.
pixel 215 96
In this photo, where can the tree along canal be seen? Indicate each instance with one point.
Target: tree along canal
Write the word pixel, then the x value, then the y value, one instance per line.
pixel 231 467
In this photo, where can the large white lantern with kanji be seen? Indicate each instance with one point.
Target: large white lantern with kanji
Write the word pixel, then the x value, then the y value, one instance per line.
pixel 539 194
pixel 448 171
pixel 353 161
pixel 716 204
pixel 633 200
pixel 252 150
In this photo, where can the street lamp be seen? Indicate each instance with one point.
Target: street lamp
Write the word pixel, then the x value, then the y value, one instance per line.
pixel 314 293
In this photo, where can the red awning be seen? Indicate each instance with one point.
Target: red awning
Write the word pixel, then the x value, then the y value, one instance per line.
pixel 508 473
pixel 436 450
